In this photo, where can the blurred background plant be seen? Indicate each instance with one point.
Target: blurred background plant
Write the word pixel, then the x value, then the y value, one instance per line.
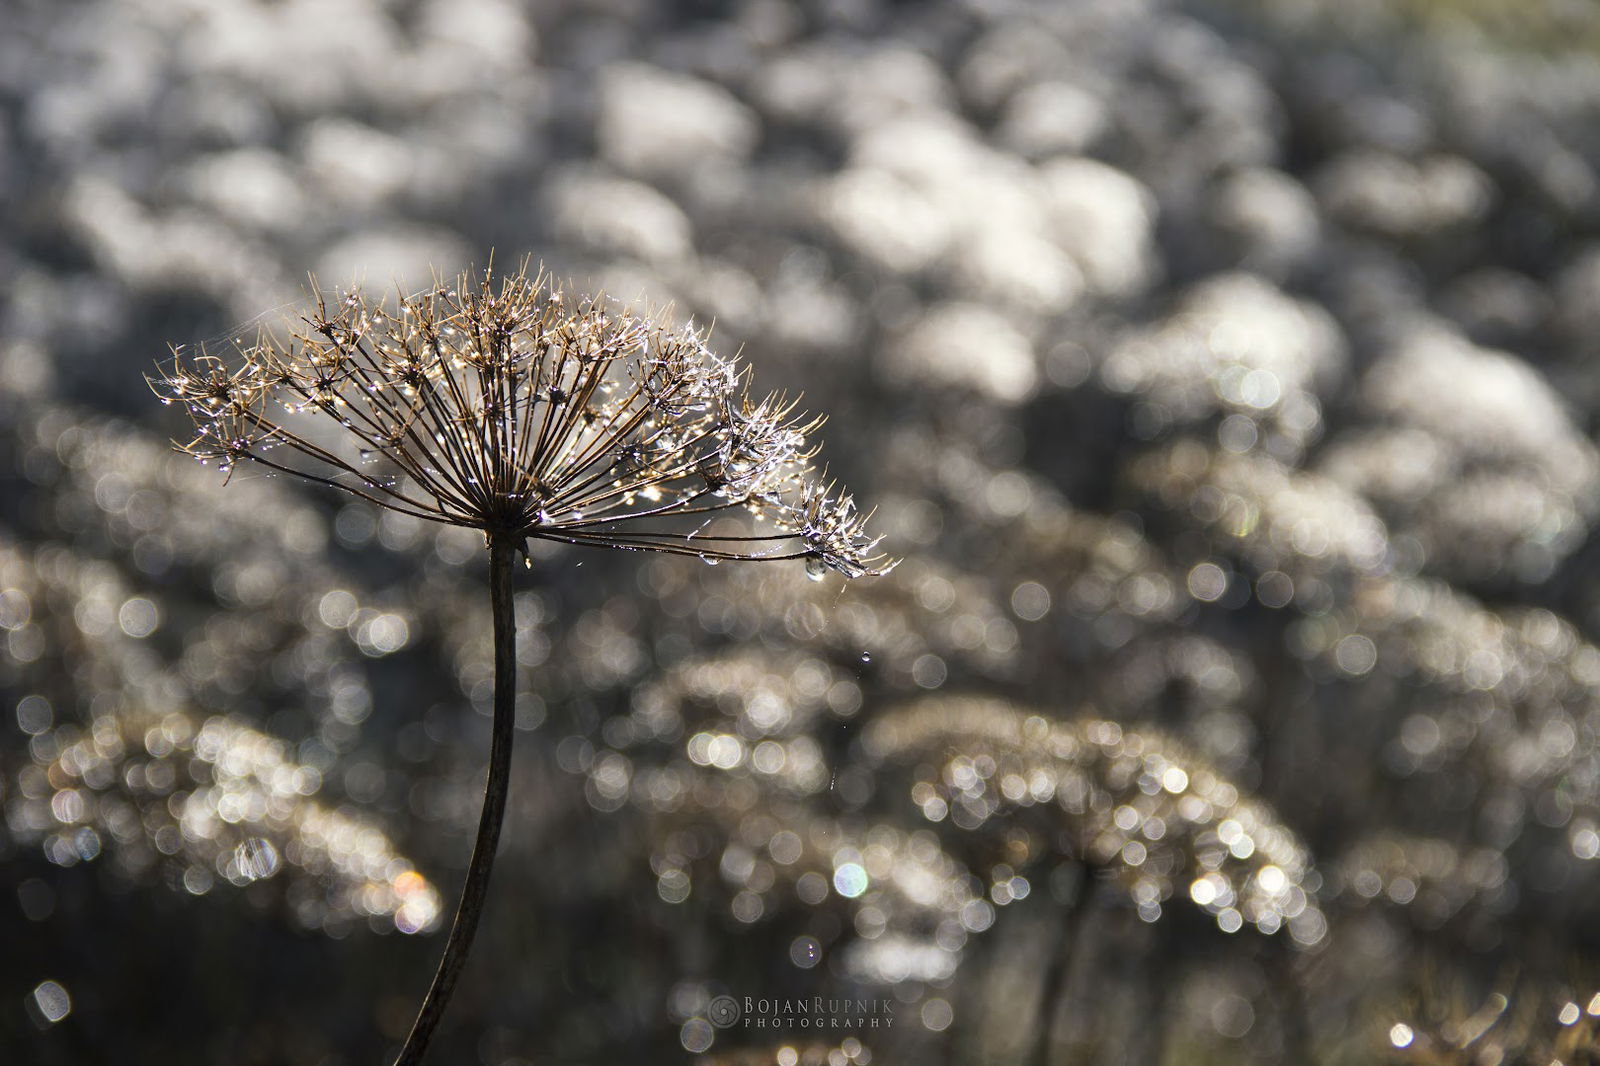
pixel 1221 369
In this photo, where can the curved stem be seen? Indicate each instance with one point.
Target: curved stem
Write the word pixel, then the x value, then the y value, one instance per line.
pixel 502 552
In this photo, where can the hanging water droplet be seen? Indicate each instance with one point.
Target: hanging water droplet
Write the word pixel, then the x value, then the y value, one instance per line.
pixel 816 569
pixel 866 657
pixel 709 561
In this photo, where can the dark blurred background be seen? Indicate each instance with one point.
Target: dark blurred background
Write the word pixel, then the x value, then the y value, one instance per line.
pixel 1223 372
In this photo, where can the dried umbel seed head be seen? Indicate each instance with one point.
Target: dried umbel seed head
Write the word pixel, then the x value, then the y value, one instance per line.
pixel 509 406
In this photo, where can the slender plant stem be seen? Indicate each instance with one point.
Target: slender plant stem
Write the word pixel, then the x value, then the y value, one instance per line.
pixel 1058 974
pixel 502 552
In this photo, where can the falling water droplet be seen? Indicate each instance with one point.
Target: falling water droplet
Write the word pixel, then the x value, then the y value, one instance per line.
pixel 866 656
pixel 816 569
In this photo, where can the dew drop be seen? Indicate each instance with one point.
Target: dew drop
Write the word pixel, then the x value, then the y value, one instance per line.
pixel 816 569
pixel 866 656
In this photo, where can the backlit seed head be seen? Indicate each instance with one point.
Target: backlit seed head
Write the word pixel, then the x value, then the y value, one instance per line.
pixel 505 405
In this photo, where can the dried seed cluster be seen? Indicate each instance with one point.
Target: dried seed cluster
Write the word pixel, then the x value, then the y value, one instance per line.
pixel 507 405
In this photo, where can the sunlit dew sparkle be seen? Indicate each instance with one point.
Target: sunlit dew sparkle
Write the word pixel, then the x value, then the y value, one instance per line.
pixel 1136 804
pixel 506 406
pixel 850 880
pixel 52 1001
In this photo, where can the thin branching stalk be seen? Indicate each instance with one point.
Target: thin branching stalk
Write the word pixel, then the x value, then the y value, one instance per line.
pixel 502 553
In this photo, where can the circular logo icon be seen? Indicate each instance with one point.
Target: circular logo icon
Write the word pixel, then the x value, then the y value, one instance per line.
pixel 723 1011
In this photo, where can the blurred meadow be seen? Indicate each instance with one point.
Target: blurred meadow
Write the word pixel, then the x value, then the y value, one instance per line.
pixel 1222 370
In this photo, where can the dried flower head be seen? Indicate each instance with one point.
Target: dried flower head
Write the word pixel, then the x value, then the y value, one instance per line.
pixel 509 406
